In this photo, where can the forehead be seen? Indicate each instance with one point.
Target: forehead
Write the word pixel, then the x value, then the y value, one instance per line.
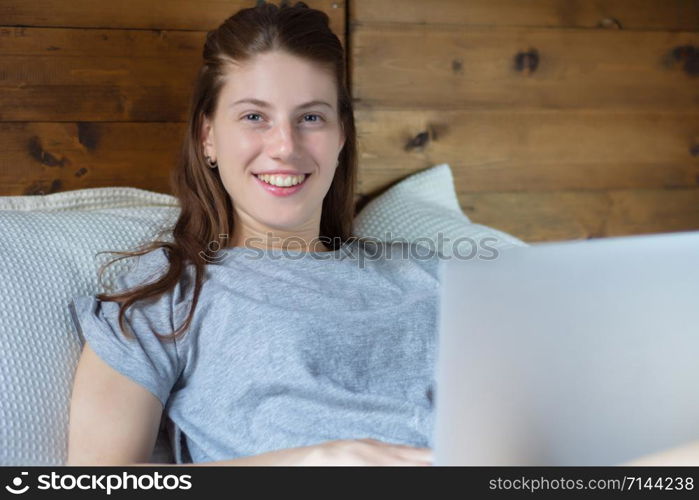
pixel 279 80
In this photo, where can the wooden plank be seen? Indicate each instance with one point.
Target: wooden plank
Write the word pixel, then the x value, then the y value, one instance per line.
pixel 43 158
pixel 614 14
pixel 538 150
pixel 96 75
pixel 448 67
pixel 567 215
pixel 202 15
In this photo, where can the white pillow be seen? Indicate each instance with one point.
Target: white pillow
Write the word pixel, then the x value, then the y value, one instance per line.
pixel 47 256
pixel 424 206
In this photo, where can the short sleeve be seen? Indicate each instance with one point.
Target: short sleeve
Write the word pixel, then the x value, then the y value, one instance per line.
pixel 145 359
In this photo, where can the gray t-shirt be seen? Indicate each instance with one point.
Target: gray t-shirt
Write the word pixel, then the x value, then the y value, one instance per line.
pixel 286 348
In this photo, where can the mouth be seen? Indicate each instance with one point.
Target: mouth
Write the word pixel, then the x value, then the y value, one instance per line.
pixel 282 185
pixel 282 181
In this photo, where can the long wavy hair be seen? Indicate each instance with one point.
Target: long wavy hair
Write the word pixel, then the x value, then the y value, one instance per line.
pixel 206 209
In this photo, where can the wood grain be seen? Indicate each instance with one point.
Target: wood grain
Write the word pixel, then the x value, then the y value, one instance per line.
pixel 437 67
pixel 537 150
pixel 666 15
pixel 202 15
pixel 560 119
pixel 567 215
pixel 47 157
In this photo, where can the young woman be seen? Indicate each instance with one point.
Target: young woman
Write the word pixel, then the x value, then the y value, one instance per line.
pixel 291 341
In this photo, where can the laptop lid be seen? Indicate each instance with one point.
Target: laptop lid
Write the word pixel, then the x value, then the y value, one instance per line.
pixel 569 353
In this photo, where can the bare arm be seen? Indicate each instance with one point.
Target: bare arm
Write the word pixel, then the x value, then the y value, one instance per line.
pixel 113 420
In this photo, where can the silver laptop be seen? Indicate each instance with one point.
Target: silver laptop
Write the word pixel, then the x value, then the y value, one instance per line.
pixel 569 353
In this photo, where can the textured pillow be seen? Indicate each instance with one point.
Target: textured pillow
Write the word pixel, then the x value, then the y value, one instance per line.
pixel 424 206
pixel 47 256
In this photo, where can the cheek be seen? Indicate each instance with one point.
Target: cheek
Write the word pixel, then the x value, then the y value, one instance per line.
pixel 327 175
pixel 235 141
pixel 325 157
pixel 238 156
pixel 322 143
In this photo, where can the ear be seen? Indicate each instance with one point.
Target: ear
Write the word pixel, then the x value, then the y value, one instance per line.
pixel 208 138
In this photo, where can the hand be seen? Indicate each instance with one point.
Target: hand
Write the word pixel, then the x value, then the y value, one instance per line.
pixel 364 452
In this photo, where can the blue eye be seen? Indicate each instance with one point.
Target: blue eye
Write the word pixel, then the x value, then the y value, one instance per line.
pixel 319 118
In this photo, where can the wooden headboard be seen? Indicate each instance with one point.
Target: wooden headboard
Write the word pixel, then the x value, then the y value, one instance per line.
pixel 562 120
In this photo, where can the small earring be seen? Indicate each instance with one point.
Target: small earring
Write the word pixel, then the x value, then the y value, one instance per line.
pixel 213 164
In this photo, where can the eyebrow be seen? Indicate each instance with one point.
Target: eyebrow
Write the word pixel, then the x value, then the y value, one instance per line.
pixel 264 104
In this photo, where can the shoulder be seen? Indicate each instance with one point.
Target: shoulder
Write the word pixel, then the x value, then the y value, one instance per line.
pixel 152 266
pixel 143 269
pixel 166 308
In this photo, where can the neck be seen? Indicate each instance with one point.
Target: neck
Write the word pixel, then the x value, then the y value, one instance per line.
pixel 250 233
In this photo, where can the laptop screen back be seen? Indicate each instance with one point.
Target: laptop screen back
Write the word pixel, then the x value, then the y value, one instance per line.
pixel 569 353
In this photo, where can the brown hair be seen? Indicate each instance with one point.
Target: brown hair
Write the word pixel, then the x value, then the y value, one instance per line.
pixel 206 208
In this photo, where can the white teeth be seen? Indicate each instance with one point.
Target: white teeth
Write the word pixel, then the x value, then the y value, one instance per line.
pixel 282 180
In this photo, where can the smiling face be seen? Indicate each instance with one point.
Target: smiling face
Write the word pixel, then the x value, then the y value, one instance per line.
pixel 247 138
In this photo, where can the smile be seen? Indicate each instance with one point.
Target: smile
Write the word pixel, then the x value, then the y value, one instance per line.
pixel 282 180
pixel 282 185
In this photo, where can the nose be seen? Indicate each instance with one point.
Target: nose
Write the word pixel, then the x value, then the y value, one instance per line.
pixel 283 143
